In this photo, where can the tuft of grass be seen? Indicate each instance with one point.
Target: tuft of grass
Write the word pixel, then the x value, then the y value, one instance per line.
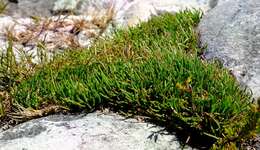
pixel 5 104
pixel 3 6
pixel 2 112
pixel 151 70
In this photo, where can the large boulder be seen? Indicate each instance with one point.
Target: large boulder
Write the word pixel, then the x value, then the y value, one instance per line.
pixel 231 32
pixel 94 131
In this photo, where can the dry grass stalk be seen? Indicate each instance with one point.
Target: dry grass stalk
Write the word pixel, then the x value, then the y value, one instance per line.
pixel 30 113
pixel 5 103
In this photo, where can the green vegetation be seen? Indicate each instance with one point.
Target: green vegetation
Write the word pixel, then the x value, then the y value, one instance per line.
pixel 3 6
pixel 152 70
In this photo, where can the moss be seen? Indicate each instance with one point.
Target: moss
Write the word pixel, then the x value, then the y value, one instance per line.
pixel 151 70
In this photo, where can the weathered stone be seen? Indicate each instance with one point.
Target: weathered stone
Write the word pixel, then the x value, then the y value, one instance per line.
pixel 33 38
pixel 94 131
pixel 231 32
pixel 63 5
pixel 27 8
pixel 131 12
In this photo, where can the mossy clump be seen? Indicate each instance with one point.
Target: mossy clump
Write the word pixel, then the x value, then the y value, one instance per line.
pixel 151 70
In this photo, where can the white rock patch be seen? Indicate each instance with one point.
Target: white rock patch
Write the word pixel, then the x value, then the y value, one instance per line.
pixel 94 131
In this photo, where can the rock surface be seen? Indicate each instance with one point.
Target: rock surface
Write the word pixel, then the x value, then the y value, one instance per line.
pixel 37 35
pixel 94 131
pixel 131 12
pixel 41 38
pixel 43 8
pixel 27 8
pixel 234 38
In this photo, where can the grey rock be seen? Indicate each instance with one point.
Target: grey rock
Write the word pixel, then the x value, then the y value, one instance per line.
pixel 214 3
pixel 27 8
pixel 231 32
pixel 56 33
pixel 94 131
pixel 63 5
pixel 46 8
pixel 131 12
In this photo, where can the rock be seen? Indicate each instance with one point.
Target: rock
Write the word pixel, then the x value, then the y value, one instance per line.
pixel 65 5
pixel 27 8
pixel 36 38
pixel 48 35
pixel 132 12
pixel 139 10
pixel 94 131
pixel 214 3
pixel 231 32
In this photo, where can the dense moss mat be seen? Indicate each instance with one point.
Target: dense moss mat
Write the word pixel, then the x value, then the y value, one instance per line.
pixel 152 70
